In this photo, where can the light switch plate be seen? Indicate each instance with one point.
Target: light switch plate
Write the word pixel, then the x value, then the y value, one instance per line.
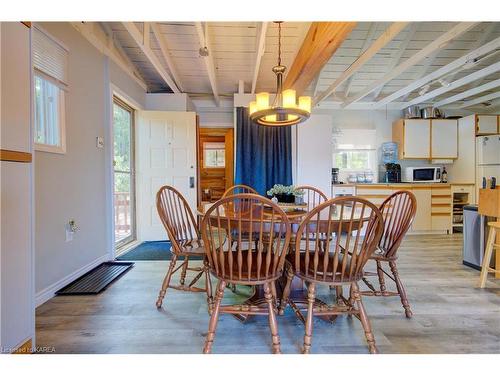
pixel 69 235
pixel 99 142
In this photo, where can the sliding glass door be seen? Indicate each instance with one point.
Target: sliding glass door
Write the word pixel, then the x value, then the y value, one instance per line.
pixel 124 181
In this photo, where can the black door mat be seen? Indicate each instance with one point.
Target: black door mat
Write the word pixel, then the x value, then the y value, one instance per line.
pixel 97 279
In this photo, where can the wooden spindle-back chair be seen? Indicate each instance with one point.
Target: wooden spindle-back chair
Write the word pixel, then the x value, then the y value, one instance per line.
pixel 186 241
pixel 398 211
pixel 337 239
pixel 246 238
pixel 312 196
pixel 239 189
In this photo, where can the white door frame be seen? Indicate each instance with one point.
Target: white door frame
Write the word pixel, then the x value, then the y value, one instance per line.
pixel 109 156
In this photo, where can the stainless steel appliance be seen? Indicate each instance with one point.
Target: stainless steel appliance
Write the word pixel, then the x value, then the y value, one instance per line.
pixel 474 238
pixel 335 175
pixel 412 111
pixel 422 174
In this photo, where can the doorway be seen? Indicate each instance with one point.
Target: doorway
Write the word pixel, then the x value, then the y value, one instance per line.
pixel 124 173
pixel 216 162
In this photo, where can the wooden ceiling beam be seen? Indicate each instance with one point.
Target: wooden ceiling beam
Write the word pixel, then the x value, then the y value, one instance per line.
pixel 139 39
pixel 162 42
pixel 437 44
pixel 261 47
pixel 389 34
pixel 466 94
pixel 204 39
pixel 320 43
pixel 458 83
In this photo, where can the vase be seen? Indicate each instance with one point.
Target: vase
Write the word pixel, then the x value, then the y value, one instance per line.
pixel 285 198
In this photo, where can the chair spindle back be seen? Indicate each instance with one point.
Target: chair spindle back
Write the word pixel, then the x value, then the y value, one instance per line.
pixel 398 211
pixel 239 189
pixel 176 216
pixel 246 238
pixel 312 196
pixel 338 237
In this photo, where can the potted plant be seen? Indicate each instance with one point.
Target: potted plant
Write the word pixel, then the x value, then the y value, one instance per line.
pixel 286 194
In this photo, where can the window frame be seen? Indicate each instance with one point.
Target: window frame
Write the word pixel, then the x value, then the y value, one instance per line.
pixel 61 105
pixel 216 149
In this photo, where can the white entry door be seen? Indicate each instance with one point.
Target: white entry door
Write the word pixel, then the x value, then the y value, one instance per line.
pixel 166 155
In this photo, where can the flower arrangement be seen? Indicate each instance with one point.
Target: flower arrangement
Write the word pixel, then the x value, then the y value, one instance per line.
pixel 285 194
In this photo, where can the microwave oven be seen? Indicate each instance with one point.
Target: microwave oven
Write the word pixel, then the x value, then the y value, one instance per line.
pixel 422 174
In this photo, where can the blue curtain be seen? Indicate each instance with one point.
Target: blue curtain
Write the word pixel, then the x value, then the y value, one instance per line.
pixel 263 154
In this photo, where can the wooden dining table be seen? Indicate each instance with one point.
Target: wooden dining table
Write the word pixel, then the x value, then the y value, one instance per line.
pixel 295 215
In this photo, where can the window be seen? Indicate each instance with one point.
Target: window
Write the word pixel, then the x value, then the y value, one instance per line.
pixel 214 155
pixel 355 150
pixel 50 82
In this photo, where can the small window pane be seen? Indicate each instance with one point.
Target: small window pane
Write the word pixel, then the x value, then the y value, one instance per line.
pixel 47 113
pixel 214 155
pixel 352 160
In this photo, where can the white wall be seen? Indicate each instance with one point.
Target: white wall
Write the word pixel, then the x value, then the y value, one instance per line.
pixel 17 320
pixel 167 102
pixel 76 185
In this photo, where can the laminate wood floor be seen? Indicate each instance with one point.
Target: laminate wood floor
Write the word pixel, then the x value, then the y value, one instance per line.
pixel 451 315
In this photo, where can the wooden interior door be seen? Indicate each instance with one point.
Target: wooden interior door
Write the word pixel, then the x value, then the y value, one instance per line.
pixel 215 178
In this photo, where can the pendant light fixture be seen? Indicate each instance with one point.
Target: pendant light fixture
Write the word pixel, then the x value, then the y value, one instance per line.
pixel 284 111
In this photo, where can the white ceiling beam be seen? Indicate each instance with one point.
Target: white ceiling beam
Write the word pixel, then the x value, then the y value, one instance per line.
pixel 478 43
pixel 261 47
pixel 429 60
pixel 458 83
pixel 385 38
pixel 162 42
pixel 466 94
pixel 316 83
pixel 107 47
pixel 150 54
pixel 399 54
pixel 204 39
pixel 482 99
pixel 369 37
pixel 437 44
pixel 456 64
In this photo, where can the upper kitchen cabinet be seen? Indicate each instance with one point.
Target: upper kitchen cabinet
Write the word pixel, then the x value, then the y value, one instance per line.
pixel 444 139
pixel 487 124
pixel 426 139
pixel 413 138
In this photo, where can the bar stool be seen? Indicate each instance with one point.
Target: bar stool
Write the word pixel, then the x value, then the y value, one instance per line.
pixel 490 245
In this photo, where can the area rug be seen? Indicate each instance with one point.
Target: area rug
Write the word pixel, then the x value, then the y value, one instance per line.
pixel 149 250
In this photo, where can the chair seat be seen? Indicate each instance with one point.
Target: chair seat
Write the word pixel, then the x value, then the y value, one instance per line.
pixel 246 275
pixel 328 273
pixel 191 247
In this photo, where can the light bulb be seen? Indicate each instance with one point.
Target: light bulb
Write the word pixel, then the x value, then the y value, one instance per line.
pixel 253 107
pixel 262 100
pixel 271 118
pixel 292 117
pixel 289 99
pixel 305 103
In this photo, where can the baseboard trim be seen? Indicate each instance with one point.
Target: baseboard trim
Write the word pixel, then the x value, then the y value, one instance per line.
pixel 49 292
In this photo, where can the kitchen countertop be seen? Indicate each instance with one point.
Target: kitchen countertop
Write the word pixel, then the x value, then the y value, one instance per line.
pixel 401 184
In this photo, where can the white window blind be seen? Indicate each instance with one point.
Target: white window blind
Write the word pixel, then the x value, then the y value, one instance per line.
pixel 50 57
pixel 357 139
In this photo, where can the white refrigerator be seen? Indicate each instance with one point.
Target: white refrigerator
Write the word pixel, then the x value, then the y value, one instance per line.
pixel 487 159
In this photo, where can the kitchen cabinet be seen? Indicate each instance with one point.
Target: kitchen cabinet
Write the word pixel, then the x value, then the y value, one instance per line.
pixel 444 139
pixel 422 221
pixel 487 124
pixel 441 208
pixel 426 138
pixel 413 138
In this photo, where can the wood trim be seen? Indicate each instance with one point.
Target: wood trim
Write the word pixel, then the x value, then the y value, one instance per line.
pixel 441 204
pixel 441 196
pixel 440 213
pixel 25 348
pixel 366 196
pixel 442 187
pixel 27 24
pixel 15 156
